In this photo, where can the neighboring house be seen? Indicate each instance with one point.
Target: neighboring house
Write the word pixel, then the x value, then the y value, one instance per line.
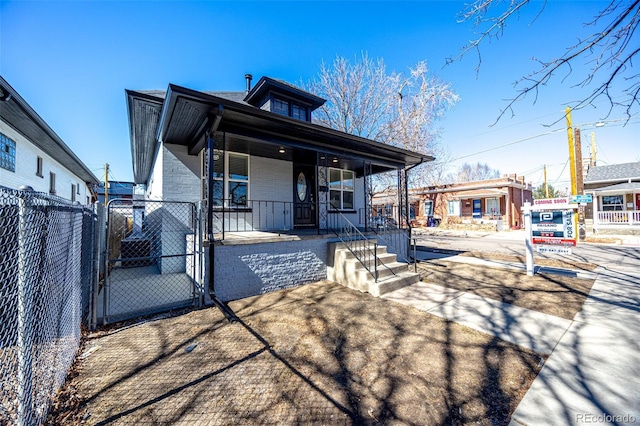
pixel 116 189
pixel 274 185
pixel 616 197
pixel 32 154
pixel 493 201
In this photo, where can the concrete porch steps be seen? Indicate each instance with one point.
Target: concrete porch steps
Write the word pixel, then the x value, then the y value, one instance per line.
pixel 347 270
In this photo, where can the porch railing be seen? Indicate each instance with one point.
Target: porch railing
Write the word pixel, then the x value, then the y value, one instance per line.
pixel 365 250
pixel 252 215
pixel 624 218
pixel 397 238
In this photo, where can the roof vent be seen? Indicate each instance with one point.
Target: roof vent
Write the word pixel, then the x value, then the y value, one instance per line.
pixel 248 77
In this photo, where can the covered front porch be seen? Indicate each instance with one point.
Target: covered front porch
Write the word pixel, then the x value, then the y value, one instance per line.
pixel 617 208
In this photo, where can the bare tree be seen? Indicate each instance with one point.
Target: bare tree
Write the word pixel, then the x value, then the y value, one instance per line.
pixel 608 52
pixel 472 172
pixel 363 99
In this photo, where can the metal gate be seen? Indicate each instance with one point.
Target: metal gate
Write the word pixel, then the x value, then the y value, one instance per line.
pixel 153 259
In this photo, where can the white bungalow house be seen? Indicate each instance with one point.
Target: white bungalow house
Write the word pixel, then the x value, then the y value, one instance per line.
pixel 616 198
pixel 278 191
pixel 32 154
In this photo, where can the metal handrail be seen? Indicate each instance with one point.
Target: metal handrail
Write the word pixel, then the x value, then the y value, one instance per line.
pixel 356 242
pixel 384 232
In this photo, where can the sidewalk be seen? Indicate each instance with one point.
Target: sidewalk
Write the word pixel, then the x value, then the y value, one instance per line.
pixel 519 235
pixel 592 375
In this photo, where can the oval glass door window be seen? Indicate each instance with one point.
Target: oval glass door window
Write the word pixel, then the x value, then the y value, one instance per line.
pixel 302 187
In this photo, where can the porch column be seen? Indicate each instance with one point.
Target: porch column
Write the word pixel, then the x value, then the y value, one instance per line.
pixel 323 191
pixel 595 211
pixel 368 194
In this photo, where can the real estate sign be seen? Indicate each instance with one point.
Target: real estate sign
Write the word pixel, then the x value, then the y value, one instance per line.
pixel 553 227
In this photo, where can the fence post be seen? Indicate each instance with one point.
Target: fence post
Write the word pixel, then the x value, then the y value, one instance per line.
pixel 97 239
pixel 25 312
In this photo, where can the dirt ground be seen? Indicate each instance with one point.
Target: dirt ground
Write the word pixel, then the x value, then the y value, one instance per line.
pixel 316 354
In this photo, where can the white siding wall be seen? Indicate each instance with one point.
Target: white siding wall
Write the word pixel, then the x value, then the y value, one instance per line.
pixel 181 174
pixel 26 164
pixel 270 180
pixel 154 186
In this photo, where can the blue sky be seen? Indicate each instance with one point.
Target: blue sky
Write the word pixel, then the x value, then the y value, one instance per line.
pixel 72 61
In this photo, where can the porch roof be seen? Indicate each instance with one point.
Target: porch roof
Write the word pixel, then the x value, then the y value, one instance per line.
pixel 181 116
pixel 621 188
pixel 486 193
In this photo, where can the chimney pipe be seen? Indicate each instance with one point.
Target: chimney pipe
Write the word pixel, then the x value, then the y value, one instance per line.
pixel 248 77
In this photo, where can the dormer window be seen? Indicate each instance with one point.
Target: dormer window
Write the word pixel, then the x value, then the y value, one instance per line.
pixel 299 112
pixel 280 106
pixel 290 109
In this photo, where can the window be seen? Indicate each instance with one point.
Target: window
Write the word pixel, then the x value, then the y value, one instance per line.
pixel 612 203
pixel 230 189
pixel 428 208
pixel 453 208
pixel 7 153
pixel 280 107
pixel 299 112
pixel 52 183
pixel 341 184
pixel 492 206
pixel 39 167
pixel 73 192
pixel 78 189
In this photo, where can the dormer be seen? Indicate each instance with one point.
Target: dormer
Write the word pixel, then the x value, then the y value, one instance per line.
pixel 282 98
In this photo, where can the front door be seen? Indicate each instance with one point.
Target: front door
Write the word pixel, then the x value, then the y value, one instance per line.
pixel 304 196
pixel 477 209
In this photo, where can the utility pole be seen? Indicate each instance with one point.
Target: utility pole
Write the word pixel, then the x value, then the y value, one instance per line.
pixel 582 231
pixel 106 183
pixel 572 160
pixel 592 163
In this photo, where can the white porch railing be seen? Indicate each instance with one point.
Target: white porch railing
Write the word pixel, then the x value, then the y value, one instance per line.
pixel 622 218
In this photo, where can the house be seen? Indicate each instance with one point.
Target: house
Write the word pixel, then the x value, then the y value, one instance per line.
pixel 32 154
pixel 615 191
pixel 275 190
pixel 493 203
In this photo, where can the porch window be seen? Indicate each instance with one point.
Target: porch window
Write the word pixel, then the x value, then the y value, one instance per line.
pixel 492 206
pixel 341 187
pixel 234 185
pixel 612 203
pixel 453 208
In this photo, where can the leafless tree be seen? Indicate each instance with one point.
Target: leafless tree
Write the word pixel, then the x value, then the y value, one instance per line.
pixel 608 52
pixel 472 172
pixel 365 100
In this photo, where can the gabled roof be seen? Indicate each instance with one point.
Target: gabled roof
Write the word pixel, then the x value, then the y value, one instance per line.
pixel 181 116
pixel 613 173
pixel 18 114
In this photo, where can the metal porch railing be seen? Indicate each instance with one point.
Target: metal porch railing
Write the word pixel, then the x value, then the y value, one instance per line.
pixel 365 250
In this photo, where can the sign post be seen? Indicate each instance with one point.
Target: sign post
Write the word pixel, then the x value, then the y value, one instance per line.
pixel 528 240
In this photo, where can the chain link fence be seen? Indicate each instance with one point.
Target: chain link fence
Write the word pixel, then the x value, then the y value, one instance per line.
pixel 153 259
pixel 46 248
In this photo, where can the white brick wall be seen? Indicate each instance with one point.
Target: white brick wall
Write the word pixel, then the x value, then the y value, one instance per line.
pixel 26 164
